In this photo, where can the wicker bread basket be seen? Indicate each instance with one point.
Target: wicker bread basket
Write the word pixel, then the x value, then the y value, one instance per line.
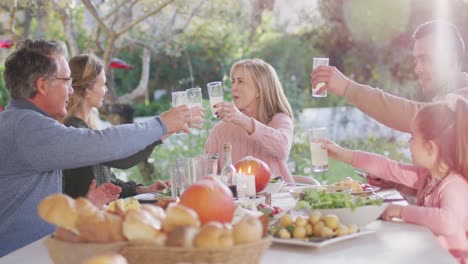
pixel 62 252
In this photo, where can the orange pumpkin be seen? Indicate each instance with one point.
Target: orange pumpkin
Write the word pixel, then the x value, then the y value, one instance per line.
pixel 211 199
pixel 257 167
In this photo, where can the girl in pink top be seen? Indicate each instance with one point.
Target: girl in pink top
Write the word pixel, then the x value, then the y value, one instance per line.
pixel 260 121
pixel 439 149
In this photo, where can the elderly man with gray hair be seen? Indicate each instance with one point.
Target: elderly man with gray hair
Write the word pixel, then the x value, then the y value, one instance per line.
pixel 34 147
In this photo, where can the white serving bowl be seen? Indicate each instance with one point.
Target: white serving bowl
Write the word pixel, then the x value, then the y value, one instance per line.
pixel 273 187
pixel 297 191
pixel 360 216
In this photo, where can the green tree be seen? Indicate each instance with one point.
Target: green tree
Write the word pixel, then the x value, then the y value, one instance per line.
pixel 4 97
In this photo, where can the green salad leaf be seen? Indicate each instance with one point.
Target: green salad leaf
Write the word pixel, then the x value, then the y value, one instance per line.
pixel 314 199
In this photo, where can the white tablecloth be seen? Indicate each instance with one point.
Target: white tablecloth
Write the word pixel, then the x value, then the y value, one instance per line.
pixel 392 243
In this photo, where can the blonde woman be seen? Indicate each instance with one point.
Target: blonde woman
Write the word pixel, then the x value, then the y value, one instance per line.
pixel 89 84
pixel 259 122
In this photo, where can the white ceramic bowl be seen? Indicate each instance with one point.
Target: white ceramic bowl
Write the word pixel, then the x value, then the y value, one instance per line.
pixel 360 216
pixel 297 191
pixel 273 187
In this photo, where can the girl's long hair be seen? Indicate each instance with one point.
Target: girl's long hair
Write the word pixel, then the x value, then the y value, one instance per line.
pixel 446 125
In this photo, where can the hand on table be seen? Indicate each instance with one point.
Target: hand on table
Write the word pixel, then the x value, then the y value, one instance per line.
pixel 392 210
pixel 155 187
pixel 376 181
pixel 103 193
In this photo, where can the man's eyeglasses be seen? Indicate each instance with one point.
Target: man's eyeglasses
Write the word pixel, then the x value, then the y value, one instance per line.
pixel 68 80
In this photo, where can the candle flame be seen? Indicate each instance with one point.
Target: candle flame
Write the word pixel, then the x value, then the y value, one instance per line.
pixel 248 172
pixel 240 170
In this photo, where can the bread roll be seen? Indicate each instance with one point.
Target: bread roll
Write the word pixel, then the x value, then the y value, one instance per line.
pixel 164 202
pixel 182 236
pixel 248 229
pixel 214 235
pixel 265 221
pixel 155 211
pixel 141 225
pixel 66 235
pixel 100 227
pixel 117 207
pixel 107 259
pixel 179 215
pixel 60 210
pixel 84 207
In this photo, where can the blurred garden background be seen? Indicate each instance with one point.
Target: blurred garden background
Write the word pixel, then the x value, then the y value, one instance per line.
pixel 170 45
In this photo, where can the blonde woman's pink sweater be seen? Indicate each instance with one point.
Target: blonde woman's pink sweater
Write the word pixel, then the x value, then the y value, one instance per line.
pixel 445 211
pixel 270 143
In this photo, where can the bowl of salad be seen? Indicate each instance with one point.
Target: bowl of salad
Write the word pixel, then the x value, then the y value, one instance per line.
pixel 349 209
pixel 274 186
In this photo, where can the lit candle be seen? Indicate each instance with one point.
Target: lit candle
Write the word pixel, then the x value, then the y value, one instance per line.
pixel 240 184
pixel 250 183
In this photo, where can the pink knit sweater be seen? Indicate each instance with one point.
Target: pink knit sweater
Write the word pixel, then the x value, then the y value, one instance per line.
pixel 445 211
pixel 270 143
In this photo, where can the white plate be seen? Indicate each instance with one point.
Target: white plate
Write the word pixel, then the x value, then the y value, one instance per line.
pixel 322 243
pixel 373 189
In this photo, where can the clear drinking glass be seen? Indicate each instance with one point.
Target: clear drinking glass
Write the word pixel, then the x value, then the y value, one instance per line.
pixel 319 156
pixel 182 175
pixel 215 92
pixel 206 165
pixel 318 62
pixel 194 98
pixel 179 98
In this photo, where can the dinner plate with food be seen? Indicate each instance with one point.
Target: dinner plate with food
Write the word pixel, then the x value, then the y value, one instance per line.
pixel 356 187
pixel 313 230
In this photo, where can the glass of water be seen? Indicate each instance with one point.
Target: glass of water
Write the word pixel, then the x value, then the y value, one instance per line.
pixel 182 176
pixel 194 98
pixel 179 98
pixel 215 91
pixel 319 155
pixel 318 62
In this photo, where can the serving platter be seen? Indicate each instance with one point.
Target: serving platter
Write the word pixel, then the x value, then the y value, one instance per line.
pixel 321 242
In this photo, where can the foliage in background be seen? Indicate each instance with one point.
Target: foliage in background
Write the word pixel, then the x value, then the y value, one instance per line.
pixel 369 41
pixel 293 65
pixel 212 50
pixel 186 146
pixel 176 146
pixel 153 108
pixel 4 97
